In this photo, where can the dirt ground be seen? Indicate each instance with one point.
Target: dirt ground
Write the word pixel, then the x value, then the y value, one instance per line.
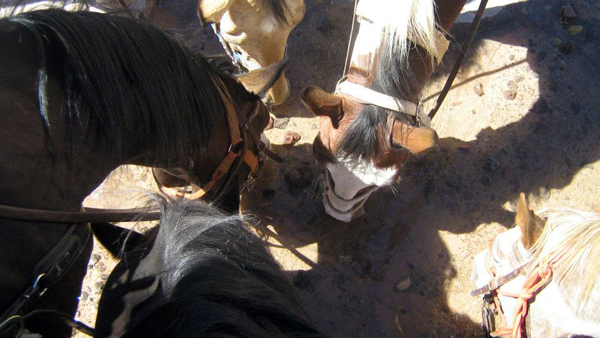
pixel 403 268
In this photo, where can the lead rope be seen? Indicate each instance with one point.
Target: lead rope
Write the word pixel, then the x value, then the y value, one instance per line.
pixel 538 278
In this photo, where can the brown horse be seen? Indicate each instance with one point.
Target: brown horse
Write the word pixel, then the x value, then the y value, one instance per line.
pixel 373 122
pixel 253 33
pixel 82 93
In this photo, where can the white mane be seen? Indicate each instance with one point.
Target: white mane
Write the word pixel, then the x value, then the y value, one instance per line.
pixel 578 233
pixel 403 20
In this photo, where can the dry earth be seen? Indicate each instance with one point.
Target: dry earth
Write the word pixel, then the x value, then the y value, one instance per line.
pixel 403 268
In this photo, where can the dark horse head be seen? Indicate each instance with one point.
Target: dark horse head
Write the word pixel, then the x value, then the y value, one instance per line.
pixel 82 93
pixel 200 273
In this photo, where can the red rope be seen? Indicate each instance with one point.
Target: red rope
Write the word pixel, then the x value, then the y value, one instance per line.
pixel 536 279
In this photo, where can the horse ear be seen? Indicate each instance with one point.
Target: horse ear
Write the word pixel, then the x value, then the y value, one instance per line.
pixel 260 80
pixel 531 225
pixel 210 11
pixel 321 103
pixel 416 140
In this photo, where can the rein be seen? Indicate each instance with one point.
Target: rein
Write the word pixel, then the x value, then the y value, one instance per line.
pixel 537 278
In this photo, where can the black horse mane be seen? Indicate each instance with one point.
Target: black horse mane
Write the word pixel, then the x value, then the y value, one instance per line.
pixel 218 279
pixel 125 79
pixel 391 78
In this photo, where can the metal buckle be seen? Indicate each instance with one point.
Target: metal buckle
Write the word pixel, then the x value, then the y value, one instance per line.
pixel 488 313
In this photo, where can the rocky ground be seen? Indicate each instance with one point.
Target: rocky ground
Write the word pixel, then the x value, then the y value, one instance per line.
pixel 522 116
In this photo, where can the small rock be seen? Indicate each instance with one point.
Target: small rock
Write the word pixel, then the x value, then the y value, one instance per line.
pixel 301 279
pixel 567 12
pixel 575 29
pixel 402 284
pixel 491 164
pixel 99 285
pixel 513 85
pixel 557 41
pixel 313 126
pixel 281 122
pixel 510 94
pixel 271 123
pixel 511 57
pixel 84 296
pixel 478 89
pixel 268 193
pixel 291 138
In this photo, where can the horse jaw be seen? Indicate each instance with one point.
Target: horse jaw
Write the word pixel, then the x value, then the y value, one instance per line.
pixel 349 178
pixel 257 40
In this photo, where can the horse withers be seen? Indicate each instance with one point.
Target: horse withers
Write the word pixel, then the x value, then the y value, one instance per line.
pixel 543 275
pixel 373 122
pixel 200 273
pixel 82 93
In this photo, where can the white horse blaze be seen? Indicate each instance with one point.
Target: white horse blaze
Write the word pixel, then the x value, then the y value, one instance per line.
pixel 349 178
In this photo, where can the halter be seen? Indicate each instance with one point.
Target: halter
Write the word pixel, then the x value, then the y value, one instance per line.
pixel 537 278
pixel 240 127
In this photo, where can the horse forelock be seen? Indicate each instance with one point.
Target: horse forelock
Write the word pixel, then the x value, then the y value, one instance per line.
pixel 404 23
pixel 578 234
pixel 126 79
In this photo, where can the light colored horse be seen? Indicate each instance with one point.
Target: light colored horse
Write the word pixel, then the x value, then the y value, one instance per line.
pixel 561 242
pixel 373 122
pixel 255 32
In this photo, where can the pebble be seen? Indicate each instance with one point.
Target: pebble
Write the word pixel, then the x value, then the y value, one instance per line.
pixel 575 29
pixel 402 284
pixel 510 94
pixel 281 122
pixel 568 12
pixel 478 89
pixel 313 126
pixel 291 138
pixel 557 41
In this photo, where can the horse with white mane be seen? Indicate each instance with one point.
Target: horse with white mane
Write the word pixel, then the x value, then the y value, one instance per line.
pixel 544 274
pixel 373 122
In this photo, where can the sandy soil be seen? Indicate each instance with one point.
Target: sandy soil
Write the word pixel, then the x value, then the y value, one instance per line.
pixel 403 268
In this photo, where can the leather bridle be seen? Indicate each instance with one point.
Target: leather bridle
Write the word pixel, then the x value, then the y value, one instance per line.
pixel 67 250
pixel 241 131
